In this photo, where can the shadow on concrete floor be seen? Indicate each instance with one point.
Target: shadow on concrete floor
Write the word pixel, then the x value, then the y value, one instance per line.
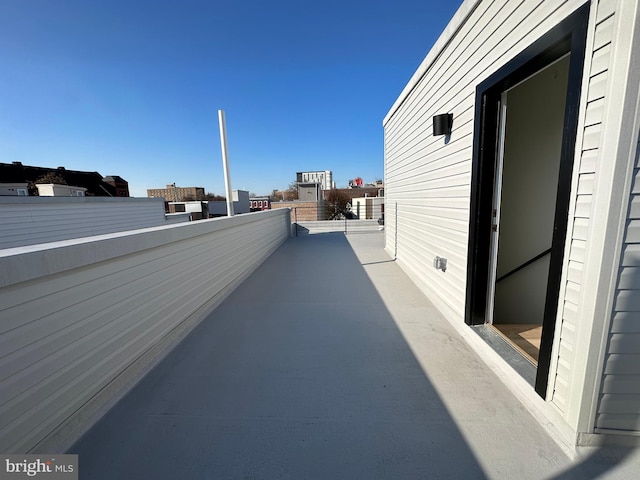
pixel 304 372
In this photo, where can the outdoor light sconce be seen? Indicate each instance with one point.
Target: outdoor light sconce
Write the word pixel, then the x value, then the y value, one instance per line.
pixel 442 124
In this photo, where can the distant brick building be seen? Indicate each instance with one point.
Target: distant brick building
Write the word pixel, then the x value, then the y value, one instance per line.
pixel 177 194
pixel 96 185
pixel 257 204
pixel 121 186
pixel 303 211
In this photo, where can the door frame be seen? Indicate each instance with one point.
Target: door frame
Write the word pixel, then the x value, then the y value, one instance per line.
pixel 496 203
pixel 569 36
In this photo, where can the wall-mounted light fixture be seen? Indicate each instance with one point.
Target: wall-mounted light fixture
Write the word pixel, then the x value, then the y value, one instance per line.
pixel 442 124
pixel 440 263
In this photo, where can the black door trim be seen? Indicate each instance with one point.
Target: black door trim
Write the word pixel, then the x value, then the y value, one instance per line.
pixel 567 37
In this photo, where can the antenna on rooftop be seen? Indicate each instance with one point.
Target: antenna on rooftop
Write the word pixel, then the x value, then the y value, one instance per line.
pixel 225 161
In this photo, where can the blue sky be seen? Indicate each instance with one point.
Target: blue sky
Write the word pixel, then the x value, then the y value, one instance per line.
pixel 132 88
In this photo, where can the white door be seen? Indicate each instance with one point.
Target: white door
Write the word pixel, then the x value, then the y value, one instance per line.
pixel 495 217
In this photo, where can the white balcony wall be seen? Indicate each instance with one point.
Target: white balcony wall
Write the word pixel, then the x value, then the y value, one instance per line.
pixel 33 220
pixel 81 320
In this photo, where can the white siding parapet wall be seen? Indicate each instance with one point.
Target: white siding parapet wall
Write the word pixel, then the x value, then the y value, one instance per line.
pixel 81 320
pixel 33 220
pixel 328 226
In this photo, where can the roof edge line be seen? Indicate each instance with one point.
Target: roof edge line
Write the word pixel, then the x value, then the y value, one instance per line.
pixel 452 28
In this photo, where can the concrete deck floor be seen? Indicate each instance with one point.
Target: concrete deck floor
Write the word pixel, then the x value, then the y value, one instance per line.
pixel 327 363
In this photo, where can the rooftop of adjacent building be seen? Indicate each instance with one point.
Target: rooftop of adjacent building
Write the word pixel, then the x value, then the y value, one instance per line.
pixel 94 182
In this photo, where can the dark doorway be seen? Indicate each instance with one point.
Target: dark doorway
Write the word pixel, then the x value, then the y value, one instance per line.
pixel 525 130
pixel 525 193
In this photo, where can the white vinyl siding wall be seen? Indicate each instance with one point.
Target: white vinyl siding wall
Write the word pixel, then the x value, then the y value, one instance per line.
pixel 596 67
pixel 619 403
pixel 425 177
pixel 34 220
pixel 76 316
pixel 427 187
